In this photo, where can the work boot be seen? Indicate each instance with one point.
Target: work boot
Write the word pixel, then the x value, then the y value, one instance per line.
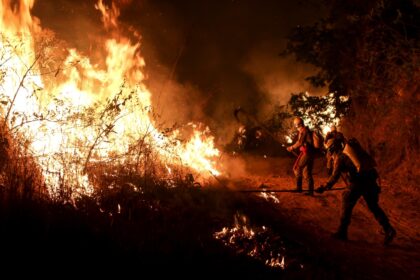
pixel 311 186
pixel 299 184
pixel 310 193
pixel 340 235
pixel 389 235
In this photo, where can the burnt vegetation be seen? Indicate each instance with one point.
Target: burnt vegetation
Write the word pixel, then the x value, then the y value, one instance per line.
pixel 146 224
pixel 368 56
pixel 137 217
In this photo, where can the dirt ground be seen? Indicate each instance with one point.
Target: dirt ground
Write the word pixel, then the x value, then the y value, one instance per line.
pixel 318 217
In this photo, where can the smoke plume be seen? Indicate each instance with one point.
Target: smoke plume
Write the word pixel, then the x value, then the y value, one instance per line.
pixel 203 58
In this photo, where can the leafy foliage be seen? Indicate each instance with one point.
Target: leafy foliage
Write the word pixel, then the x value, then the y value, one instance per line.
pixel 318 111
pixel 370 51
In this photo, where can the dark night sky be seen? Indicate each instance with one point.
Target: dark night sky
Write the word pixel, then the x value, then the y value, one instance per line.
pixel 228 50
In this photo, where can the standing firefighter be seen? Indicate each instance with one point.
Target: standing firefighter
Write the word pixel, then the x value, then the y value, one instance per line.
pixel 359 168
pixel 304 163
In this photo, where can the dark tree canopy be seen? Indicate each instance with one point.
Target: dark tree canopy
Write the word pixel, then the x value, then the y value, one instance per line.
pixel 360 40
pixel 370 51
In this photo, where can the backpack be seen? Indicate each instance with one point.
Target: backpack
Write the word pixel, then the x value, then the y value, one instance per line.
pixel 360 158
pixel 317 139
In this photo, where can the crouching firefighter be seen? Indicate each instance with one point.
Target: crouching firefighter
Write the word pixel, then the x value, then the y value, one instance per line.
pixel 333 134
pixel 305 161
pixel 359 171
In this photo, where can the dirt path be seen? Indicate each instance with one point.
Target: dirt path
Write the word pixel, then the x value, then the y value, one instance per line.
pixel 316 218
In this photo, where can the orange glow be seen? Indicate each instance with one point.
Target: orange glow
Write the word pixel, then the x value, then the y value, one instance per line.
pixel 88 112
pixel 109 15
pixel 256 242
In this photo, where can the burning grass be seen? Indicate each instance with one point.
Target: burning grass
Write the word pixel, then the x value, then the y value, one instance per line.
pixel 87 175
pixel 74 114
pixel 158 220
pixel 257 242
pixel 142 220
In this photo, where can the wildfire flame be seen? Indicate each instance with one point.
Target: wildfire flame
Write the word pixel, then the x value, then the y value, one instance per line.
pixel 82 112
pixel 269 197
pixel 257 242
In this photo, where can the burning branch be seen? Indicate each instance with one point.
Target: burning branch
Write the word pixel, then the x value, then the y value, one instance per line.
pixel 78 115
pixel 22 80
pixel 108 117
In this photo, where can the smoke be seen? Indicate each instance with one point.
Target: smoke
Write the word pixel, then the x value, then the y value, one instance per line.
pixel 75 22
pixel 181 103
pixel 277 77
pixel 203 58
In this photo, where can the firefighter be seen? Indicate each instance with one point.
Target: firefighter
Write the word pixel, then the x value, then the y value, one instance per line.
pixel 304 163
pixel 333 134
pixel 362 182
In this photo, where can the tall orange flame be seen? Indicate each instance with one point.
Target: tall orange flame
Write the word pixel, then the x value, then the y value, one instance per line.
pixel 109 15
pixel 88 113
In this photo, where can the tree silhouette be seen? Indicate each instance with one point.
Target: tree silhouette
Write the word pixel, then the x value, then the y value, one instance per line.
pixel 369 51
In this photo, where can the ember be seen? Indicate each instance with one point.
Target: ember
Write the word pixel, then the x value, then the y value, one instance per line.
pixel 269 197
pixel 257 242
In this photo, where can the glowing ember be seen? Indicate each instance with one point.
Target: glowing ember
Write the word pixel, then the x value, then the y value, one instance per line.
pixel 84 113
pixel 330 111
pixel 258 242
pixel 269 197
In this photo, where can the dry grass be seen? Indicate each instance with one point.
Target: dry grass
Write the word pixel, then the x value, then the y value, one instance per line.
pixel 20 175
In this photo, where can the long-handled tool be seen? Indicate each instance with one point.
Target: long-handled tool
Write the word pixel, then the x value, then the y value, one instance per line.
pixel 283 191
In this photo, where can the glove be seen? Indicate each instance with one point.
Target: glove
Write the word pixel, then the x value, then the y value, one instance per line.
pixel 320 189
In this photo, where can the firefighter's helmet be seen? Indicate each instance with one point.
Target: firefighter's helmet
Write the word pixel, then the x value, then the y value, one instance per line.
pixel 297 122
pixel 334 145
